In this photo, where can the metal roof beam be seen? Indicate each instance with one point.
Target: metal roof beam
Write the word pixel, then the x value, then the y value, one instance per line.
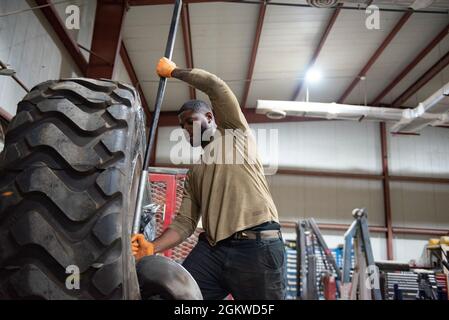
pixel 170 118
pixel 106 38
pixel 134 80
pixel 252 61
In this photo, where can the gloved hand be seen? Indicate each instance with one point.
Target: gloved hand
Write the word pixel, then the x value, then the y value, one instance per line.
pixel 141 247
pixel 165 67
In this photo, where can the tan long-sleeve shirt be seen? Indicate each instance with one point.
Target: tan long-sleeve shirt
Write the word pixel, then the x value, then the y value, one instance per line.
pixel 229 197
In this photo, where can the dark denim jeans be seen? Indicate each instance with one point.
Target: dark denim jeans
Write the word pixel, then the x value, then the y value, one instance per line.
pixel 246 269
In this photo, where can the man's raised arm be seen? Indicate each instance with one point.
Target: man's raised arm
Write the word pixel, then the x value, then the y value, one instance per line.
pixel 224 103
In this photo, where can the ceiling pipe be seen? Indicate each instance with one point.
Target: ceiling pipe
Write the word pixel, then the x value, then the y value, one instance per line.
pixel 430 112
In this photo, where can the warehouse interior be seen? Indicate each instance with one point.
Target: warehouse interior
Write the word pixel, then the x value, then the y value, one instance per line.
pixel 264 50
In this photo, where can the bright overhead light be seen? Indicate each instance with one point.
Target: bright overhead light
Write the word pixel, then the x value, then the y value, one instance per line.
pixel 313 75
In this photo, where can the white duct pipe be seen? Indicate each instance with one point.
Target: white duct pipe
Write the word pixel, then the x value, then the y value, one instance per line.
pixel 327 110
pixel 429 112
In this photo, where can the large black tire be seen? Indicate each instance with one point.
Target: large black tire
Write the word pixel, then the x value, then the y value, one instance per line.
pixel 163 278
pixel 68 179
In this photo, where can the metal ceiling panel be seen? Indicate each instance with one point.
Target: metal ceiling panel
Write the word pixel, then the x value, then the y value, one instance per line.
pixel 222 39
pixel 145 36
pixel 399 53
pixel 288 40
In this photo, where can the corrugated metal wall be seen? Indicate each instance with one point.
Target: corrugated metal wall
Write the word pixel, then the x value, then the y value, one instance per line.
pixel 335 146
pixel 29 45
pixel 328 200
pixel 424 155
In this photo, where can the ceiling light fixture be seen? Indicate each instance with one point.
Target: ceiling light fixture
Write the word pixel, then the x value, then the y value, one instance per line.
pixel 313 75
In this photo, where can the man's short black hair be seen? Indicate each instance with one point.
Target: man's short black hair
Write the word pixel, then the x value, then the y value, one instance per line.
pixel 196 106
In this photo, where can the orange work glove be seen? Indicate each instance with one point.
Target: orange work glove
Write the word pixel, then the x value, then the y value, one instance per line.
pixel 141 247
pixel 165 67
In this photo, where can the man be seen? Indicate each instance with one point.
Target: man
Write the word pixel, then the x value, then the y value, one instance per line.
pixel 241 251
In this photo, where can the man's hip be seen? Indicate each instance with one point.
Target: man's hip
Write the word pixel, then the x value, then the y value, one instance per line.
pixel 245 267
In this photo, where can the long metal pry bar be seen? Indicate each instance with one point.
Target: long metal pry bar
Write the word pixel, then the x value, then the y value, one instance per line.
pixel 157 110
